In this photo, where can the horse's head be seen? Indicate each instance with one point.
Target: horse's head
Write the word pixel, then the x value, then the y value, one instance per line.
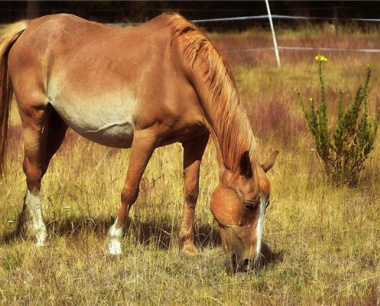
pixel 238 205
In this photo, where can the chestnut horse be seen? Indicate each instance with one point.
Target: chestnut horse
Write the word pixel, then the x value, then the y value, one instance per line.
pixel 139 88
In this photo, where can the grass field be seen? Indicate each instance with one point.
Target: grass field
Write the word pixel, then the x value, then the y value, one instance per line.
pixel 322 243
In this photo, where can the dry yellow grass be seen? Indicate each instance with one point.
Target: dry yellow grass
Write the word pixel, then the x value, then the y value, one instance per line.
pixel 323 242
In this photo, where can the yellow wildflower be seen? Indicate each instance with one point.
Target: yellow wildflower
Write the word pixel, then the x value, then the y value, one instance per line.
pixel 321 58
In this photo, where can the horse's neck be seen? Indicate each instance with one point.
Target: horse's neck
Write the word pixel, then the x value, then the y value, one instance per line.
pixel 229 125
pixel 234 137
pixel 213 82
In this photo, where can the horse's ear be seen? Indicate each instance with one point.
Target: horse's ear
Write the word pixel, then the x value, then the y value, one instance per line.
pixel 245 165
pixel 270 161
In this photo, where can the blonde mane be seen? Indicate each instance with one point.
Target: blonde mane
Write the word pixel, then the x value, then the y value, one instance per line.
pixel 220 97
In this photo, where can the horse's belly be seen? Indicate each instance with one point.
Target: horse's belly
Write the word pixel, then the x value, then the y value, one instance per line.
pixel 119 135
pixel 109 125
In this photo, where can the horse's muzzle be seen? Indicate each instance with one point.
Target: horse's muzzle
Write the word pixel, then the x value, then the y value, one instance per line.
pixel 236 265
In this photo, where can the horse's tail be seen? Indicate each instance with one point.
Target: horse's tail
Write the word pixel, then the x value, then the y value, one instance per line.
pixel 8 37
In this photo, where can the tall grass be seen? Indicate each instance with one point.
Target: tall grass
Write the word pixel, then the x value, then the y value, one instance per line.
pixel 323 243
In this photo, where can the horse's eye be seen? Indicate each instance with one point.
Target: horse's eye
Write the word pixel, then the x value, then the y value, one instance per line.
pixel 250 206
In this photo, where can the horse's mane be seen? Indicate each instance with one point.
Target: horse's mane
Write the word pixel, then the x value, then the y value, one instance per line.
pixel 220 97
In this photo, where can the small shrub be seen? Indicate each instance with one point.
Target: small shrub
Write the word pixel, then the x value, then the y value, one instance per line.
pixel 345 147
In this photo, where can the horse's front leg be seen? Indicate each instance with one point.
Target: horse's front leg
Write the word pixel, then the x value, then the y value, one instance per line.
pixel 192 155
pixel 142 149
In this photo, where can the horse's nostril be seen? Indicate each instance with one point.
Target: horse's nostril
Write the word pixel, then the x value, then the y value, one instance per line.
pixel 237 265
pixel 234 261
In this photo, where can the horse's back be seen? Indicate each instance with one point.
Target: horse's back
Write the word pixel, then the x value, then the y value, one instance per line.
pixel 87 54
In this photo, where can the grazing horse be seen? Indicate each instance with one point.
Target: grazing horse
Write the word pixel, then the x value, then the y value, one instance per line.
pixel 139 88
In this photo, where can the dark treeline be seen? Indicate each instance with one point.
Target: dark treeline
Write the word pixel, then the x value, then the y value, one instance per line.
pixel 140 11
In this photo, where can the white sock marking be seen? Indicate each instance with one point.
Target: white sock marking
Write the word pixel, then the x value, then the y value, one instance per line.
pixel 33 205
pixel 115 234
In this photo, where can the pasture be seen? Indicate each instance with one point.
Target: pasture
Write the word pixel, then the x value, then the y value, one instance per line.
pixel 322 243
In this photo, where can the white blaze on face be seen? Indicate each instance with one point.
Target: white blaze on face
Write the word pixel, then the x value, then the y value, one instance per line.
pixel 259 228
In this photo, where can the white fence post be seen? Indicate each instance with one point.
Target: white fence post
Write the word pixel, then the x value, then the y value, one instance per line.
pixel 274 35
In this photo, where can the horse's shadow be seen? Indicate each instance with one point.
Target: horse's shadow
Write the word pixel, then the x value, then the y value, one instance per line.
pixel 159 232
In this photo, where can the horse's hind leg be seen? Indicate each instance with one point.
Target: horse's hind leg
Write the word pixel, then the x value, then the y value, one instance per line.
pixel 43 132
pixel 192 155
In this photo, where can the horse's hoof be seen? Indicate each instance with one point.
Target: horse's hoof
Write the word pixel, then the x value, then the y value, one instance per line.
pixel 114 248
pixel 189 249
pixel 41 244
pixel 41 239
